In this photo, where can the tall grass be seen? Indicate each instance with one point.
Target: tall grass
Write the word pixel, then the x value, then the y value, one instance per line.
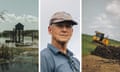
pixel 87 45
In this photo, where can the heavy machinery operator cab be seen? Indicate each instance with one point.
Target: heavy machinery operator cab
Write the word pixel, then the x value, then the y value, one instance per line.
pixel 99 38
pixel 100 35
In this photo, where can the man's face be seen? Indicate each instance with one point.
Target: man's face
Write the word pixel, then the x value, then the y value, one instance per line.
pixel 61 32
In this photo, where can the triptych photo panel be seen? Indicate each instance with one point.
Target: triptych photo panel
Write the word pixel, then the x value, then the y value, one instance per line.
pixel 100 36
pixel 19 36
pixel 59 36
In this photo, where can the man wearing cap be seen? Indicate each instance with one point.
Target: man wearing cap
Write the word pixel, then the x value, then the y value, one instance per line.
pixel 56 57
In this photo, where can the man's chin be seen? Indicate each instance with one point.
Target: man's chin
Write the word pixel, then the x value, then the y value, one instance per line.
pixel 63 41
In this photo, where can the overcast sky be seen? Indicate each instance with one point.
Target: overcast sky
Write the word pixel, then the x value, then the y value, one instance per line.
pixel 103 16
pixel 47 9
pixel 14 11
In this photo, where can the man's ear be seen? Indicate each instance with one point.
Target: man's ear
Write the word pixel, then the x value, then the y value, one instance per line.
pixel 72 29
pixel 49 29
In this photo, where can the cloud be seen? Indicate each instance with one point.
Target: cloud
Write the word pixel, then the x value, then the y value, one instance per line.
pixel 102 21
pixel 11 19
pixel 114 8
pixel 110 18
pixel 108 21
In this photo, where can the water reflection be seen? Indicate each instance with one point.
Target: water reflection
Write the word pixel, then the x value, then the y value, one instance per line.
pixel 22 63
pixel 18 67
pixel 4 67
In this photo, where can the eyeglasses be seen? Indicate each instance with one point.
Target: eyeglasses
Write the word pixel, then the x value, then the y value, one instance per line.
pixel 62 26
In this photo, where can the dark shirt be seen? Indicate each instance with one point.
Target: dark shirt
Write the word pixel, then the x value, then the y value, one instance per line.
pixel 52 60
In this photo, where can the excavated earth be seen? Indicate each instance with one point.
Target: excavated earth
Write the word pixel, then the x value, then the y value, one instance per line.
pixel 109 52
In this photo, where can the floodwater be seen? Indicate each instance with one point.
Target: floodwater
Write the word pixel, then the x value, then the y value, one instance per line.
pixel 20 64
pixel 18 67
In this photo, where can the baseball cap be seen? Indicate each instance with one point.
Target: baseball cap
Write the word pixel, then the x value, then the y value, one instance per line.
pixel 62 16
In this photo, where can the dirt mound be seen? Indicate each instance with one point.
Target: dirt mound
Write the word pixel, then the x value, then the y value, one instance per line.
pixel 110 52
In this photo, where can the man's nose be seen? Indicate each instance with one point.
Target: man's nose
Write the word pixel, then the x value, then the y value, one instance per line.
pixel 64 28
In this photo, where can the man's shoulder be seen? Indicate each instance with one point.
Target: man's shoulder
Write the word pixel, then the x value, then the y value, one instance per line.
pixel 45 52
pixel 47 55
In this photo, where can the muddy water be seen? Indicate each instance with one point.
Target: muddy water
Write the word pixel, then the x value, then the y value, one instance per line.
pixel 20 64
pixel 18 67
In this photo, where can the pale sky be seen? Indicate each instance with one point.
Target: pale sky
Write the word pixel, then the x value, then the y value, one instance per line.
pixel 47 9
pixel 14 11
pixel 103 16
pixel 20 7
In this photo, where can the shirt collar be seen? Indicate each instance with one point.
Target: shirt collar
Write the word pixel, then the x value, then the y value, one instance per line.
pixel 57 51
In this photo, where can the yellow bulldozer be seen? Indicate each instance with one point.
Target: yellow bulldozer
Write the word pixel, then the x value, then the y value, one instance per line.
pixel 99 38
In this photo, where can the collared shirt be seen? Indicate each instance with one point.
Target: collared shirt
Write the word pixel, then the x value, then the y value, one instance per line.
pixel 52 60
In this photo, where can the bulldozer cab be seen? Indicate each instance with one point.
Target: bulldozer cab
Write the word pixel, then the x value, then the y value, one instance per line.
pixel 99 38
pixel 100 35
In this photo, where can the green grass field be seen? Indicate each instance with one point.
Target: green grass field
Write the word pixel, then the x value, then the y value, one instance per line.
pixel 88 46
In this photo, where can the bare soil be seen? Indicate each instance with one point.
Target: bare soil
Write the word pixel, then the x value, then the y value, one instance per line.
pixel 92 63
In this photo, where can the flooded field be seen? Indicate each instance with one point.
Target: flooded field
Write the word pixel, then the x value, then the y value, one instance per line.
pixel 26 61
pixel 18 67
pixel 25 58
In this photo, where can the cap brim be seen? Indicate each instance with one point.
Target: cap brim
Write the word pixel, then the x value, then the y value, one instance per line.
pixel 68 21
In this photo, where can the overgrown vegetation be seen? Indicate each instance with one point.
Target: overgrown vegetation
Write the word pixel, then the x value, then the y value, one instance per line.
pixel 7 53
pixel 87 45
